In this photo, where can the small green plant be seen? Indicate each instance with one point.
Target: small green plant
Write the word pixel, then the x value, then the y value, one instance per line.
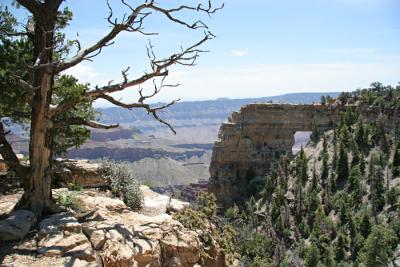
pixel 71 200
pixel 76 186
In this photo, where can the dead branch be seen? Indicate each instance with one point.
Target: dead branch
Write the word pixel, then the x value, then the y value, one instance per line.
pixel 133 23
pixel 160 69
pixel 150 110
pixel 81 121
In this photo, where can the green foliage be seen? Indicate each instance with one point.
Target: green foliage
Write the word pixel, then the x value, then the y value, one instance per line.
pixel 123 183
pixel 354 184
pixel 255 248
pixel 379 247
pixel 302 167
pixel 376 179
pixel 342 165
pixel 191 218
pixel 316 133
pixel 396 160
pixel 16 55
pixel 72 201
pixel 312 256
pixel 393 196
pixel 202 217
pixel 365 225
pixel 207 204
pixel 341 248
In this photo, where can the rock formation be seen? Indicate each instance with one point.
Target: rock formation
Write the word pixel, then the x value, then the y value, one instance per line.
pixel 80 172
pixel 107 233
pixel 254 138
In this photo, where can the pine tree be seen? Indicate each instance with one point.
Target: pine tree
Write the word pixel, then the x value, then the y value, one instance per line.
pixel 396 160
pixel 377 187
pixel 360 134
pixel 302 167
pixel 325 166
pixel 312 256
pixel 314 179
pixel 393 196
pixel 365 225
pixel 315 134
pixel 354 185
pixel 379 247
pixel 341 248
pixel 342 165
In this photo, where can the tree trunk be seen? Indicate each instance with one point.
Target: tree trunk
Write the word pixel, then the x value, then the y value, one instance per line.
pixel 37 184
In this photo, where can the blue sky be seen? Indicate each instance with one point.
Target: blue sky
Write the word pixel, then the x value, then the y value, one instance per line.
pixel 262 47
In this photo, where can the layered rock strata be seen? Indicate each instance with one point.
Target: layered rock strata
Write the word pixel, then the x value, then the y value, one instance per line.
pixel 107 233
pixel 254 138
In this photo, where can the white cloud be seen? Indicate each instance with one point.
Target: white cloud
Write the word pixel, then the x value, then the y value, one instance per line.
pixel 87 74
pixel 239 53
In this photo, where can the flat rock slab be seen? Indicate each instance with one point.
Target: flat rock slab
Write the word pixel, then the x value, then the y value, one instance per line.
pixel 157 204
pixel 16 225
pixel 7 202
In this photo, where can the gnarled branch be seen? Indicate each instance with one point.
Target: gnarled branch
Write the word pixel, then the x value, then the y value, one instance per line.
pixel 133 23
pixel 150 110
pixel 160 69
pixel 84 122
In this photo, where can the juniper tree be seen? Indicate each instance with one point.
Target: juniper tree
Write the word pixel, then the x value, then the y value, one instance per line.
pixel 31 81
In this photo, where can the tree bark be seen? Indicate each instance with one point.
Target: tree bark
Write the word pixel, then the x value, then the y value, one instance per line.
pixel 37 184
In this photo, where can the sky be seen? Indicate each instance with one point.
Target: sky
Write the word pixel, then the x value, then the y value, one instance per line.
pixel 262 47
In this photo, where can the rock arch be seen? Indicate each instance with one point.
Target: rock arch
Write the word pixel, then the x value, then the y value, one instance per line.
pixel 256 136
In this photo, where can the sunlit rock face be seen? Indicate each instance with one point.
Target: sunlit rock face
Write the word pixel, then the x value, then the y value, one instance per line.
pixel 253 139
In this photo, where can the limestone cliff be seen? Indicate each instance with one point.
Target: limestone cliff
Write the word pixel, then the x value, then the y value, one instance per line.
pixel 254 138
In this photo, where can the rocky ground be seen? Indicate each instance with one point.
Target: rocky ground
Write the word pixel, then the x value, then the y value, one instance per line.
pixel 104 232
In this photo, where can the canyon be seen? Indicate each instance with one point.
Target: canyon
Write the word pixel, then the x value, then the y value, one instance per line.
pixel 253 139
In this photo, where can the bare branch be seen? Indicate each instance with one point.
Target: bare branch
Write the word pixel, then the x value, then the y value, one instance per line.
pixel 160 69
pixel 84 122
pixel 150 110
pixel 133 23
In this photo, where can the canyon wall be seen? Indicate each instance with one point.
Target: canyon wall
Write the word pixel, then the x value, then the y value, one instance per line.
pixel 253 139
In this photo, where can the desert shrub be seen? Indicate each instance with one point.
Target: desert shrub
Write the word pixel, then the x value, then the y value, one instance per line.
pixel 122 182
pixel 203 217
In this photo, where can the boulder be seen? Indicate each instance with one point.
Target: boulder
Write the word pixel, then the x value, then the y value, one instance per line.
pixel 80 172
pixel 17 225
pixel 61 235
pixel 156 204
pixel 116 254
pixel 180 249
